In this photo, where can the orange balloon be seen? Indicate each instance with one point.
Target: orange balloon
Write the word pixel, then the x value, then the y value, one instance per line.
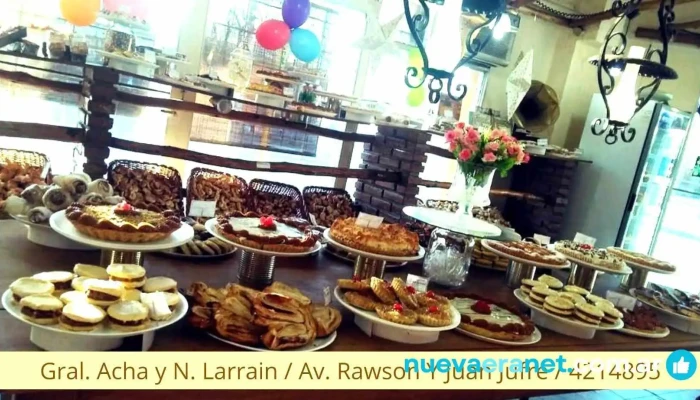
pixel 80 12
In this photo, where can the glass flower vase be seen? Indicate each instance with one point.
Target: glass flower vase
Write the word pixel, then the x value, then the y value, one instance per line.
pixel 471 187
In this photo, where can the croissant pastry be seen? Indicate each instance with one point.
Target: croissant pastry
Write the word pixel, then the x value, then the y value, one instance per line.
pixel 235 329
pixel 239 306
pixel 273 307
pixel 39 215
pixel 75 184
pixel 327 320
pixel 33 194
pixel 201 317
pixel 288 336
pixel 286 290
pixel 101 187
pixel 57 199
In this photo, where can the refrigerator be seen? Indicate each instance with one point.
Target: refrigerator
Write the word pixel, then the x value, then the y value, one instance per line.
pixel 620 197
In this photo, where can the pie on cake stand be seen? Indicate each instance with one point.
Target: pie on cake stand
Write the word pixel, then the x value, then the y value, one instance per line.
pixel 262 240
pixel 641 265
pixel 525 258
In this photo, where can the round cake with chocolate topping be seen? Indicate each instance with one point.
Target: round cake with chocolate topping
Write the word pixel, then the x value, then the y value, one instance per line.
pixel 267 233
pixel 122 223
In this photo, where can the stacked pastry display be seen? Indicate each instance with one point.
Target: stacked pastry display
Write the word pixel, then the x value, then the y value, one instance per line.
pixel 571 302
pixel 16 176
pixel 228 191
pixel 284 235
pixel 397 302
pixel 588 254
pixel 203 244
pixel 485 258
pixel 38 202
pixel 99 298
pixel 490 319
pixel 144 185
pixel 529 252
pixel 642 259
pixel 122 222
pixel 279 317
pixel 387 239
pixel 672 300
pixel 327 207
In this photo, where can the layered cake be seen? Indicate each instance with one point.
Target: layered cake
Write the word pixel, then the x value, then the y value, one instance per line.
pixel 489 319
pixel 387 239
pixel 267 233
pixel 122 223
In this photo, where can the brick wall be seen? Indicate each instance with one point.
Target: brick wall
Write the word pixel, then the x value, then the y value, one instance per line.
pixel 395 149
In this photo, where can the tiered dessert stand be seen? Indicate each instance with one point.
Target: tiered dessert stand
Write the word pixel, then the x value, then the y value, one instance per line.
pixel 104 338
pixel 584 274
pixel 368 264
pixel 372 325
pixel 519 268
pixel 53 338
pixel 563 325
pixel 257 267
pixel 639 276
pixel 118 252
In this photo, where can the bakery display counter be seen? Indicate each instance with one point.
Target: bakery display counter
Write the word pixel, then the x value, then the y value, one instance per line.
pixel 311 275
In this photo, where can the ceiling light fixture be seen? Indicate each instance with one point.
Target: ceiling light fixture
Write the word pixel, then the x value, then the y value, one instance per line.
pixel 625 98
pixel 492 11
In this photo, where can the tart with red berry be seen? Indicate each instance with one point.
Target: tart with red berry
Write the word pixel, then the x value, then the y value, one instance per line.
pixel 382 290
pixel 430 298
pixel 434 316
pixel 406 294
pixel 397 313
pixel 267 232
pixel 490 319
pixel 122 223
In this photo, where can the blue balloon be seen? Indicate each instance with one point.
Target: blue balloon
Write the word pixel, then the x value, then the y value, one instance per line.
pixel 304 45
pixel 296 12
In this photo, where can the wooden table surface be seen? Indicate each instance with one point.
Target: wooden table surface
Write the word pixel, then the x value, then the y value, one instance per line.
pixel 19 257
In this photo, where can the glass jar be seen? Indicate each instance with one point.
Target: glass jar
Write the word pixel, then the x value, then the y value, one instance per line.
pixel 448 258
pixel 120 39
pixel 78 48
pixel 57 45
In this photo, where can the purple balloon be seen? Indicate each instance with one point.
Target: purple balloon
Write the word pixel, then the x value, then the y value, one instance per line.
pixel 296 12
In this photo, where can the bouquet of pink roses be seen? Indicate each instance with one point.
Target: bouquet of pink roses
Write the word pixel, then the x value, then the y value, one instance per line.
pixel 480 153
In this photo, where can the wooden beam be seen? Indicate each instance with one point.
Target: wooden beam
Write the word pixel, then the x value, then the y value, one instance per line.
pixel 605 15
pixel 534 12
pixel 683 37
pixel 30 130
pixel 688 25
pixel 176 105
pixel 189 155
pixel 27 79
pixel 519 3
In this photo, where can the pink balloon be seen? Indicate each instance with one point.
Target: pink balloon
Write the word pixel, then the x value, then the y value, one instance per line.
pixel 273 34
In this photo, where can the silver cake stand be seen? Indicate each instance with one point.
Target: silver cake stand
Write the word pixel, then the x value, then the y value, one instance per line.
pixel 584 274
pixel 257 267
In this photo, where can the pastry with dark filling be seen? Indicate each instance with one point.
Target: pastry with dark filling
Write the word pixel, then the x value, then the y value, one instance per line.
pixel 61 280
pixel 24 287
pixel 128 316
pixel 41 309
pixel 267 233
pixel 131 276
pixel 122 223
pixel 81 317
pixel 103 293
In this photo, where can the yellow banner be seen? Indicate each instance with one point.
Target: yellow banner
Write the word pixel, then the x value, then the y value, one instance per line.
pixel 349 370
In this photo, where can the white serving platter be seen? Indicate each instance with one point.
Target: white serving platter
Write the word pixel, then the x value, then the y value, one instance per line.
pixel 53 338
pixel 210 225
pixel 43 235
pixel 370 323
pixel 565 326
pixel 65 227
pixel 646 335
pixel 318 344
pixel 327 237
pixel 487 244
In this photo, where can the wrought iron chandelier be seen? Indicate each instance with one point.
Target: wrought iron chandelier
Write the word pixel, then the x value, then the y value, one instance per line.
pixel 626 95
pixel 490 10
